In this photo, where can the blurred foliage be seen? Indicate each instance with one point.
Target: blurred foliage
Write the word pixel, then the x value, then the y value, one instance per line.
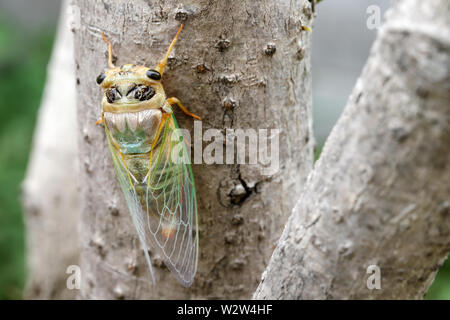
pixel 24 55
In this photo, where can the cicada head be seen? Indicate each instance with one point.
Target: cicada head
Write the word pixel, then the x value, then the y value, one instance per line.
pixel 132 86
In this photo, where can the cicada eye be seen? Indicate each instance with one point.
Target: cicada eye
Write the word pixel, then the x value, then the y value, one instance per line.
pixel 101 77
pixel 153 74
pixel 112 95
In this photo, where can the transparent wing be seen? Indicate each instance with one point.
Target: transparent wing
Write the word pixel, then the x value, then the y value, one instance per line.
pixel 163 204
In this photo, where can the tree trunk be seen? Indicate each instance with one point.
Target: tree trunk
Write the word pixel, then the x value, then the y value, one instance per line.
pixel 241 64
pixel 50 195
pixel 379 194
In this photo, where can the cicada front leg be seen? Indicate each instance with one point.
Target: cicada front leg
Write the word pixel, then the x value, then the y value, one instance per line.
pixel 174 100
pixel 100 120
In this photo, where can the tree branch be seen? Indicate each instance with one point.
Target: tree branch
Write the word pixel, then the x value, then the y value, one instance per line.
pixel 50 195
pixel 379 194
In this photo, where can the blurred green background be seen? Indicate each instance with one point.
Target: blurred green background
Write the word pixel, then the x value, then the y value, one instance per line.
pixel 27 30
pixel 25 48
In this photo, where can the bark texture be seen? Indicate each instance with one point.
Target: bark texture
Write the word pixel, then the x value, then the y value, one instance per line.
pixel 240 64
pixel 380 193
pixel 50 195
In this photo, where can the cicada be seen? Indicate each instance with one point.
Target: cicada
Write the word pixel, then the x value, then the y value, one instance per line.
pixel 150 158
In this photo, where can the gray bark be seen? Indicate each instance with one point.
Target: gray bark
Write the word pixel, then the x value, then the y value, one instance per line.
pixel 380 193
pixel 50 195
pixel 225 70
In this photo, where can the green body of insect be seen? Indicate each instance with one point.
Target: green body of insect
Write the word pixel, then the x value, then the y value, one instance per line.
pixel 149 156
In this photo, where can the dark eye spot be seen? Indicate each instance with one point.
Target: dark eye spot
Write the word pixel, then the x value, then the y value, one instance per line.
pixel 153 74
pixel 112 95
pixel 101 77
pixel 141 93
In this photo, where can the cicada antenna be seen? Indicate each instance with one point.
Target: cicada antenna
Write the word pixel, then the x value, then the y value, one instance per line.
pixel 110 53
pixel 163 62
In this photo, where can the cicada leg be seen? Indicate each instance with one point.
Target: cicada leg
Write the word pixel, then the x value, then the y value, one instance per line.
pixel 100 120
pixel 162 64
pixel 174 100
pixel 110 53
